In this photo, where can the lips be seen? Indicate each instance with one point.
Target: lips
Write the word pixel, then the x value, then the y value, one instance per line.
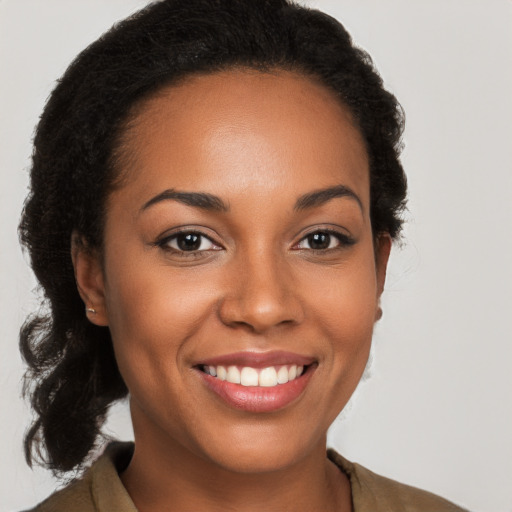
pixel 257 382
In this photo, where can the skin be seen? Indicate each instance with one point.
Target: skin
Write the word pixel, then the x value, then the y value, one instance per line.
pixel 258 142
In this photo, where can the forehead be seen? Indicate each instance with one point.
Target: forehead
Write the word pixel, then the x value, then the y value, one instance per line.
pixel 245 130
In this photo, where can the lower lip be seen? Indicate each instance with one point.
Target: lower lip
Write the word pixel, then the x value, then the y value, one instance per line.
pixel 258 398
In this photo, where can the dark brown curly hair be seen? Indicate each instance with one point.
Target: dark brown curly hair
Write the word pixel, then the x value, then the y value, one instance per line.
pixel 72 375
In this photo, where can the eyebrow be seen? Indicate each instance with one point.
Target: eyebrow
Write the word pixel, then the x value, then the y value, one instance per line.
pixel 322 196
pixel 201 200
pixel 210 202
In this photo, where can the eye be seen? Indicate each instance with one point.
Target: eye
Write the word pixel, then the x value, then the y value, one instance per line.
pixel 324 240
pixel 188 241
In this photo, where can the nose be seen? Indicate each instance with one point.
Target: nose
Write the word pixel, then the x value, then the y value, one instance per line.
pixel 261 295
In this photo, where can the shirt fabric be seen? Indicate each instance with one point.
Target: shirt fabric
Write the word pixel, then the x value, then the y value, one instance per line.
pixel 101 490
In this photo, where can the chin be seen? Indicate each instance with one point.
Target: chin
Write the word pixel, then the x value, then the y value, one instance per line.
pixel 264 451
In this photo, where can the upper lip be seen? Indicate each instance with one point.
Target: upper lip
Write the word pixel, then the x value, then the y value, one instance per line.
pixel 258 359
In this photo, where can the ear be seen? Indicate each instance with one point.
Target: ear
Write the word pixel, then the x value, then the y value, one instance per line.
pixel 89 279
pixel 382 250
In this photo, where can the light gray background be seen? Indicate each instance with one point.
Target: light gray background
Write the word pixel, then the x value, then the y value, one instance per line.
pixel 437 410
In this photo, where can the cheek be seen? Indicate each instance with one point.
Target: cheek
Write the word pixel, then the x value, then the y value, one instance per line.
pixel 152 311
pixel 148 297
pixel 348 299
pixel 345 308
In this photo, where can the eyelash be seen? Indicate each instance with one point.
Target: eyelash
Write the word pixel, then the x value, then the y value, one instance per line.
pixel 164 243
pixel 343 240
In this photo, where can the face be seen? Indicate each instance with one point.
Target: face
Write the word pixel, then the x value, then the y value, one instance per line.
pixel 239 248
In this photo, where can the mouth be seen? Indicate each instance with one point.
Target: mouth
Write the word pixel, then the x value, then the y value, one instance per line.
pixel 258 382
pixel 251 377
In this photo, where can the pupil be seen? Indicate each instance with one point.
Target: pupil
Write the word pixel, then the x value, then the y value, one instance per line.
pixel 189 242
pixel 319 240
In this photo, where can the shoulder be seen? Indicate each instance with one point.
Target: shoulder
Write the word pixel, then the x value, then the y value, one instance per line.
pixel 76 497
pixel 100 488
pixel 373 492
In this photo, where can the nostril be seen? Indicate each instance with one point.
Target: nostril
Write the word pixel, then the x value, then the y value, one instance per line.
pixel 258 315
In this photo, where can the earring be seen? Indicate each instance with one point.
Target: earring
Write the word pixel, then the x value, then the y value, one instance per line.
pixel 90 310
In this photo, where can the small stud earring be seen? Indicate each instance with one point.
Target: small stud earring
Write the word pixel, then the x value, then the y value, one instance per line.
pixel 91 310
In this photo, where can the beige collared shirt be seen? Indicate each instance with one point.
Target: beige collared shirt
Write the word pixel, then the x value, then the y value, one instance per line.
pixel 101 489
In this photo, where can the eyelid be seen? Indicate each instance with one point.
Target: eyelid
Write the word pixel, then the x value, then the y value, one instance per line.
pixel 163 240
pixel 345 240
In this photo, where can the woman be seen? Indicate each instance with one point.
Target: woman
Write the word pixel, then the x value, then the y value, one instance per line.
pixel 215 190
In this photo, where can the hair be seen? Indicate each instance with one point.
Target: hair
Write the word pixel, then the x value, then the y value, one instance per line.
pixel 72 377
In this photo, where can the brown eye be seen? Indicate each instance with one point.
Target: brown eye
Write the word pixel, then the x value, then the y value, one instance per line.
pixel 189 241
pixel 324 241
pixel 319 241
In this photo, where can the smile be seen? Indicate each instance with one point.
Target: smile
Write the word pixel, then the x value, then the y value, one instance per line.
pixel 257 382
pixel 248 376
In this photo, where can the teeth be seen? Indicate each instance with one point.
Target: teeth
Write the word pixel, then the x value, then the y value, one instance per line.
pixel 282 375
pixel 248 376
pixel 268 377
pixel 233 375
pixel 221 372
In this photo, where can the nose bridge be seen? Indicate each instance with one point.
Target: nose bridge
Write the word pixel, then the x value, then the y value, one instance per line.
pixel 261 294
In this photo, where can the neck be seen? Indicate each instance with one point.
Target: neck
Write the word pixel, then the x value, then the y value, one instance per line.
pixel 171 477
